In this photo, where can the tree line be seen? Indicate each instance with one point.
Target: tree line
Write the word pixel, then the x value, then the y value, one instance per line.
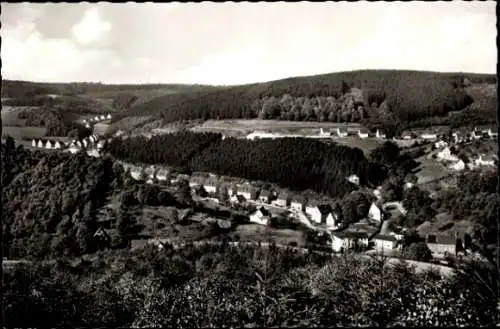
pixel 408 95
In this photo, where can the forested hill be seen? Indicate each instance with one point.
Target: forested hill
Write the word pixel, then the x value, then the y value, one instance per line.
pixel 21 89
pixel 295 163
pixel 340 97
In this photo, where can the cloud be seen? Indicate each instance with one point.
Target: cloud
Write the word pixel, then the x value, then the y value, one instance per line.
pixel 233 43
pixel 91 27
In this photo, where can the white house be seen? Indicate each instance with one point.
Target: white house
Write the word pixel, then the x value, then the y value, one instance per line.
pixel 313 211
pixel 261 216
pixel 79 144
pixel 161 175
pixel 379 134
pixel 93 153
pixel 297 203
pixel 384 242
pixel 33 143
pixel 486 161
pixel 440 144
pixel 362 134
pixel 102 117
pixel 341 133
pixel 428 136
pixel 210 185
pixel 87 126
pixel 73 149
pixel 375 213
pixel 195 181
pixel 100 144
pixel 332 220
pixel 492 134
pixel 237 199
pixel 57 145
pixel 96 118
pixel 48 145
pixel 474 135
pixel 324 133
pixel 246 191
pixel 445 154
pixel 92 139
pixel 408 185
pixel 377 193
pixel 85 143
pixel 353 179
pixel 347 240
pixel 458 166
pixel 136 173
pixel 108 116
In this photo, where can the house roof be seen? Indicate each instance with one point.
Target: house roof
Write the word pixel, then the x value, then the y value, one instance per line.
pixel 265 193
pixel 283 196
pixel 385 237
pixel 264 211
pixel 350 234
pixel 240 198
pixel 440 239
pixel 299 199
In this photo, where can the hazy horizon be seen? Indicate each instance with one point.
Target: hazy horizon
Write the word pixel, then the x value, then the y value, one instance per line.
pixel 241 43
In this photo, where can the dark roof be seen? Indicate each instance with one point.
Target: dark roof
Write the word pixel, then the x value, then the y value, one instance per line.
pixel 265 193
pixel 350 234
pixel 264 211
pixel 283 196
pixel 299 198
pixel 240 198
pixel 441 239
pixel 325 209
pixel 385 237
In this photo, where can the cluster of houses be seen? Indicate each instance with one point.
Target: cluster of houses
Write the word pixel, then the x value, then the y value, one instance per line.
pixel 449 155
pixel 73 146
pixel 361 133
pixel 96 119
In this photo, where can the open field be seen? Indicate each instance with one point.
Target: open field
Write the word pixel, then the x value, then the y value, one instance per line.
pixel 242 125
pixel 9 115
pixel 254 232
pixel 18 133
pixel 431 170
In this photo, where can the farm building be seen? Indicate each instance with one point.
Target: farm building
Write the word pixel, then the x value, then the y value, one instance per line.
pixel 320 213
pixel 442 245
pixel 108 116
pixel 384 242
pixel 484 161
pixel 49 145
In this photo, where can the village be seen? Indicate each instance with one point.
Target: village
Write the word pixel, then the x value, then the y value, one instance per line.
pixel 371 234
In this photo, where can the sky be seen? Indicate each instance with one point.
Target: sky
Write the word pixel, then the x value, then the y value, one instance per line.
pixel 236 43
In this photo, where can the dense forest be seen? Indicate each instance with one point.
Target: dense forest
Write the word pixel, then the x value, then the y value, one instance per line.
pixel 340 97
pixel 22 89
pixel 246 286
pixel 295 163
pixel 52 201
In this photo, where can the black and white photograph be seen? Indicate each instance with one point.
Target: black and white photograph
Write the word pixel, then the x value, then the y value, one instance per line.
pixel 249 165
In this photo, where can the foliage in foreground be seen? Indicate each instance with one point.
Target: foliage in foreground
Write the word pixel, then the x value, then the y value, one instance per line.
pixel 223 286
